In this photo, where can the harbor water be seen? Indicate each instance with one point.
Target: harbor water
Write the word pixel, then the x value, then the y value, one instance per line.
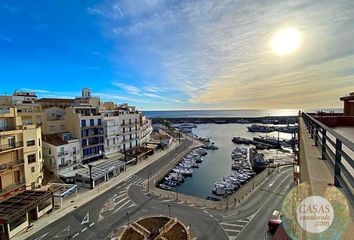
pixel 217 164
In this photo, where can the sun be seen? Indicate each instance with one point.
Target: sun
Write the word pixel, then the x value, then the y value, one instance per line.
pixel 286 41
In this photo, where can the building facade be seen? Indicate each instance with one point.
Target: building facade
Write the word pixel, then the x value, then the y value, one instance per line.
pixel 61 153
pixel 85 123
pixel 112 132
pixel 21 163
pixel 348 104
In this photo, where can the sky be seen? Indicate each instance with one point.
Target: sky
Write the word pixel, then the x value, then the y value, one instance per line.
pixel 167 54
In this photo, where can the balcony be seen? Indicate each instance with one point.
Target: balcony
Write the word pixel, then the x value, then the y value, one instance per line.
pixel 63 153
pixel 7 147
pixel 67 164
pixel 129 124
pixel 10 165
pixel 75 152
pixel 9 128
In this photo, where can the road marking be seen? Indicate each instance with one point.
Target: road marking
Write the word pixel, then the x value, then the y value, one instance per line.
pixel 167 200
pixel 91 224
pixel 243 221
pixel 41 237
pixel 83 230
pixel 86 219
pixel 116 203
pixel 120 195
pixel 131 205
pixel 211 216
pixel 265 202
pixel 231 224
pixel 232 230
pixel 121 206
pixel 76 234
pixel 65 231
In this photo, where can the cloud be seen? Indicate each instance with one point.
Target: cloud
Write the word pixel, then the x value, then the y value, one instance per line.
pixel 6 39
pixel 128 88
pixel 9 8
pixel 218 53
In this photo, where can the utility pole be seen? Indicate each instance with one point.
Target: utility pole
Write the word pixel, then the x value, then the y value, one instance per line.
pixel 149 174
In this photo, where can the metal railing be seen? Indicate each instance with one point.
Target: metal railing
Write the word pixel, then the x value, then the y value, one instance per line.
pixel 5 147
pixel 63 153
pixel 337 150
pixel 10 165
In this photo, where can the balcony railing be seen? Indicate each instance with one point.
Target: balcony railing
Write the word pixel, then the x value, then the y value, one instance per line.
pixel 63 153
pixel 337 150
pixel 8 128
pixel 11 146
pixel 10 165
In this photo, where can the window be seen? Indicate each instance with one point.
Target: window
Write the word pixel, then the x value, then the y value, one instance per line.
pixel 136 121
pixel 62 161
pixel 99 122
pixel 114 141
pixel 49 151
pixel 11 141
pixel 39 141
pixel 130 129
pixel 92 122
pixel 83 123
pixel 17 222
pixel 123 130
pixel 107 142
pixel 39 154
pixel 32 169
pixel 31 158
pixel 31 143
pixel 130 121
pixel 123 122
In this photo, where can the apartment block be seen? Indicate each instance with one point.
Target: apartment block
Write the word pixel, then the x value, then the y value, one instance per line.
pixel 20 154
pixel 112 132
pixel 85 123
pixel 61 153
pixel 130 124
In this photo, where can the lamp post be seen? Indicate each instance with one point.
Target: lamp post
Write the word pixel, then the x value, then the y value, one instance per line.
pixel 169 210
pixel 149 174
pixel 91 182
pixel 128 214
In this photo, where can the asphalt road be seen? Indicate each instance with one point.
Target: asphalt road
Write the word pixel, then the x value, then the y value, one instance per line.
pixel 99 218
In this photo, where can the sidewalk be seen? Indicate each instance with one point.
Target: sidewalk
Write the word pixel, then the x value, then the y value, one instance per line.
pixel 85 195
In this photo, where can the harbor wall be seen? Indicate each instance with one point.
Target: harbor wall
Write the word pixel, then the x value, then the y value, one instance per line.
pixel 225 120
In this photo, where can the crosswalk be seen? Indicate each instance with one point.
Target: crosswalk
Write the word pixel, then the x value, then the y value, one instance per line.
pixel 233 228
pixel 134 180
pixel 119 201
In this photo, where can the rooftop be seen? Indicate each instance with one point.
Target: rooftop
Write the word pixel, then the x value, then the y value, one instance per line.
pixel 58 139
pixel 56 100
pixel 22 202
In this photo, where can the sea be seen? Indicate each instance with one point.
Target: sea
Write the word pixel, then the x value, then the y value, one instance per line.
pixel 230 113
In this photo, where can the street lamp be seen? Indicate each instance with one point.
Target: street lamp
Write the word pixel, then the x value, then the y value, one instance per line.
pixel 149 174
pixel 176 193
pixel 91 182
pixel 169 210
pixel 128 214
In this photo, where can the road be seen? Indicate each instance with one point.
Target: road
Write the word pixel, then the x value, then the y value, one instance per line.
pixel 102 216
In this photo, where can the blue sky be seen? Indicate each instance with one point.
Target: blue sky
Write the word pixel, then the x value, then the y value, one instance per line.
pixel 179 54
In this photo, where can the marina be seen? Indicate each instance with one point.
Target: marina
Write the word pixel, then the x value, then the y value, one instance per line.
pixel 215 168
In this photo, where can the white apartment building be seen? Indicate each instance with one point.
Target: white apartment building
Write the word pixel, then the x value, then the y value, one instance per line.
pixel 112 132
pixel 145 130
pixel 61 154
pixel 130 125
